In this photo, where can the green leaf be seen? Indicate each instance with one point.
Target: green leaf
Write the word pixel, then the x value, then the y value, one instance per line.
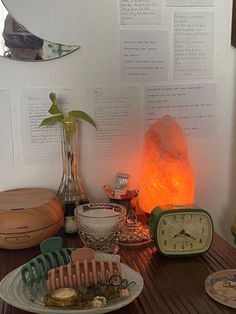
pixel 53 97
pixel 59 116
pixel 52 120
pixel 54 109
pixel 83 116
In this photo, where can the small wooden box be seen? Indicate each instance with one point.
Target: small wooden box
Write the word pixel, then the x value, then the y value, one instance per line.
pixel 28 216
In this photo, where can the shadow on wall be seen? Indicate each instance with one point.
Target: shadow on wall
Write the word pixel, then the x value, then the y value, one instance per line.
pixel 229 213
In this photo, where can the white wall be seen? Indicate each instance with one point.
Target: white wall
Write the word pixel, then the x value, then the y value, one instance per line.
pixel 95 25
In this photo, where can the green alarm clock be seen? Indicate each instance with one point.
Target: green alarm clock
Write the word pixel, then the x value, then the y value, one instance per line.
pixel 181 230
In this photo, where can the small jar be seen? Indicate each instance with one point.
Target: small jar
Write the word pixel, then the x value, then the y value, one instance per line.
pixel 69 218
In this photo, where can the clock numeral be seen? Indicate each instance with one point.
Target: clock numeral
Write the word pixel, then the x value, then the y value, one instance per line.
pixel 200 219
pixel 174 246
pixel 203 230
pixel 183 246
pixel 162 232
pixel 165 243
pixel 191 245
pixel 164 222
pixel 200 241
pixel 182 217
pixel 174 217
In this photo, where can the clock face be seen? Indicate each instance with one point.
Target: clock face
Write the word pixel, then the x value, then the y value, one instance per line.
pixel 184 233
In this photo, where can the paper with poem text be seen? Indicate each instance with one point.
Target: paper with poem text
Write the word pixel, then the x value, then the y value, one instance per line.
pixel 41 143
pixel 193 106
pixel 6 139
pixel 193 49
pixel 144 55
pixel 190 3
pixel 140 12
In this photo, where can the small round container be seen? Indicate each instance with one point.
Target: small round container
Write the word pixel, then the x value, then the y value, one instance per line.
pixel 99 225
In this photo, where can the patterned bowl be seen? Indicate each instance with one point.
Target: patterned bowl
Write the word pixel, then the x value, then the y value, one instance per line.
pixel 99 225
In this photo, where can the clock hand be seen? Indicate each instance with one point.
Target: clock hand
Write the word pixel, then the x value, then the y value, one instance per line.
pixel 188 235
pixel 184 234
pixel 177 235
pixel 180 234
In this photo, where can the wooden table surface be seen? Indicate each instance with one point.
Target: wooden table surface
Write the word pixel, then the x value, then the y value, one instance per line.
pixel 170 285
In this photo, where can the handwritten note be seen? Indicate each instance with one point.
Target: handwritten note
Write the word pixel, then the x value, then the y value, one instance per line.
pixel 41 143
pixel 116 112
pixel 193 45
pixel 6 141
pixel 144 55
pixel 193 106
pixel 189 3
pixel 140 12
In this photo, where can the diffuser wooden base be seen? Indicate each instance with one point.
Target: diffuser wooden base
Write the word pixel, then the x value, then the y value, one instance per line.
pixel 28 216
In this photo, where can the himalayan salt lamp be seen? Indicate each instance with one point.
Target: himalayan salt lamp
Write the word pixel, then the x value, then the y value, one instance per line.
pixel 167 176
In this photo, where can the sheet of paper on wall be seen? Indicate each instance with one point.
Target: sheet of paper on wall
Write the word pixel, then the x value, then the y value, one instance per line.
pixel 6 139
pixel 140 12
pixel 190 3
pixel 116 112
pixel 193 50
pixel 115 147
pixel 41 143
pixel 144 55
pixel 193 106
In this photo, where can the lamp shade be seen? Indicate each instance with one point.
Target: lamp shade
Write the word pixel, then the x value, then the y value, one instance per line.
pixel 167 176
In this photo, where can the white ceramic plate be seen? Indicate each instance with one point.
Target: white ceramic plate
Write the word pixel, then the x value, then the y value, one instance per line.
pixel 13 291
pixel 221 286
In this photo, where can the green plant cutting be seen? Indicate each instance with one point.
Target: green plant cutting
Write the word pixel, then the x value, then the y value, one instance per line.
pixel 68 119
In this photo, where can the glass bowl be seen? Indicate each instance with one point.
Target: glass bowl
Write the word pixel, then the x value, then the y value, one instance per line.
pixel 99 225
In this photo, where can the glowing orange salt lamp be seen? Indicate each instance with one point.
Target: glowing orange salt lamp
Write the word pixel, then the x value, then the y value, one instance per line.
pixel 167 176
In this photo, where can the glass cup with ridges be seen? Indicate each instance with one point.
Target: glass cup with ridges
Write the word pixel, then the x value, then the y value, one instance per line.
pixel 99 225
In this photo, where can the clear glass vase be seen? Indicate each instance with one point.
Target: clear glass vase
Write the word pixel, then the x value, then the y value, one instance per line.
pixel 70 189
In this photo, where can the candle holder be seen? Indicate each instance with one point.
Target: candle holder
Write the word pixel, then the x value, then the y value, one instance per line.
pixel 99 225
pixel 134 233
